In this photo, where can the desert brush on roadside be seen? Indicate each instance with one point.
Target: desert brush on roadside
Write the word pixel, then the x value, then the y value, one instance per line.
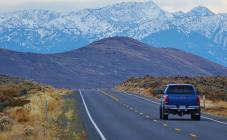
pixel 32 111
pixel 214 89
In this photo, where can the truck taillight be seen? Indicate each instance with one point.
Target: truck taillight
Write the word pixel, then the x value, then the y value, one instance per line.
pixel 166 99
pixel 197 100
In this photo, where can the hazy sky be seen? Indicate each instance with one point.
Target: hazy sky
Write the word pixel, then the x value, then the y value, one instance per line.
pixel 218 6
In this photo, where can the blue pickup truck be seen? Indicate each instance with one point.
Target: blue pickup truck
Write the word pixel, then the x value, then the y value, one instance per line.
pixel 180 99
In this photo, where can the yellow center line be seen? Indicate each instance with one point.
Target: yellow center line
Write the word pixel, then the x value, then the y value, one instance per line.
pixel 164 124
pixel 155 120
pixel 193 135
pixel 111 96
pixel 147 116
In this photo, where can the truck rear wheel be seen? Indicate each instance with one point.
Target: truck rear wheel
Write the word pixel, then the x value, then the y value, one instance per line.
pixel 160 113
pixel 195 117
pixel 163 116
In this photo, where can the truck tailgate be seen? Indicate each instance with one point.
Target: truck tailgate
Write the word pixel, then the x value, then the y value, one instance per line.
pixel 187 100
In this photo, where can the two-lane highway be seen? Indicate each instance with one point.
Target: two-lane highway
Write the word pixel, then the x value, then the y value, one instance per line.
pixel 111 115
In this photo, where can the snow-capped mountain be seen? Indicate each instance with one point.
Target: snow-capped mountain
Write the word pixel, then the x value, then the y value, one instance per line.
pixel 199 12
pixel 199 31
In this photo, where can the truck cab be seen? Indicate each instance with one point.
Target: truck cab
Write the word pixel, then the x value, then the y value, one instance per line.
pixel 180 99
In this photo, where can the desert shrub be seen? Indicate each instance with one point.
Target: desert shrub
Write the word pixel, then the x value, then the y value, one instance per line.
pixel 5 123
pixel 18 102
pixel 20 115
pixel 8 91
pixel 28 131
pixel 11 91
pixel 215 88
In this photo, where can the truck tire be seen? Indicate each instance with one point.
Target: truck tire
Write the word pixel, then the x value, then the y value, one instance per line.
pixel 163 116
pixel 160 113
pixel 195 117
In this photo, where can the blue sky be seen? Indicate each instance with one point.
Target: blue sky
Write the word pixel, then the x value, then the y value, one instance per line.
pixel 218 6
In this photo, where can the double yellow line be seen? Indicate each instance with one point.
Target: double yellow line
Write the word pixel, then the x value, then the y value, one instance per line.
pixel 140 113
pixel 111 96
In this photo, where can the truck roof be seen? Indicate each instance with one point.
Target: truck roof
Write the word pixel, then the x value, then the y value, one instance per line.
pixel 179 85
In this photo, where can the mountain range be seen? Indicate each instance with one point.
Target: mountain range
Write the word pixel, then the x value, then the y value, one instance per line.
pixel 199 31
pixel 105 63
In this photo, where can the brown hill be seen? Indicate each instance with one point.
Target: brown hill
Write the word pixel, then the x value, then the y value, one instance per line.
pixel 105 63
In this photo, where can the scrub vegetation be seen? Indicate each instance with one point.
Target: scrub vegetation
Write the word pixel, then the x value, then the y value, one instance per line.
pixel 33 111
pixel 214 89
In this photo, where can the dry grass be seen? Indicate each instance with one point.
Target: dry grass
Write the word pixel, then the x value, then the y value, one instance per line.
pixel 70 114
pixel 72 127
pixel 29 120
pixel 23 117
pixel 214 88
pixel 218 108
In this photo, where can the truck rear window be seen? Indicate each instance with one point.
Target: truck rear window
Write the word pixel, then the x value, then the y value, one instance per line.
pixel 180 89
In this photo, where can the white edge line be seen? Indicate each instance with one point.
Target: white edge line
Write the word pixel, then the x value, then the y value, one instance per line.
pixel 214 120
pixel 89 115
pixel 159 104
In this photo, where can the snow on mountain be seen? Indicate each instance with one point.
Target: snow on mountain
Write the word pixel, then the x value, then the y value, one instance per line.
pixel 28 18
pixel 200 12
pixel 212 26
pixel 44 31
pixel 178 14
pixel 118 19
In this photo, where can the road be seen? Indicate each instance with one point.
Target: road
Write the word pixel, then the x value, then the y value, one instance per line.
pixel 112 115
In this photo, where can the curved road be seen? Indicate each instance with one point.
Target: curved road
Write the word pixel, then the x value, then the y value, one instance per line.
pixel 111 115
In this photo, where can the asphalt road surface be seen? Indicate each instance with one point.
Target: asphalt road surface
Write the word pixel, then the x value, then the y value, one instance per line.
pixel 112 115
